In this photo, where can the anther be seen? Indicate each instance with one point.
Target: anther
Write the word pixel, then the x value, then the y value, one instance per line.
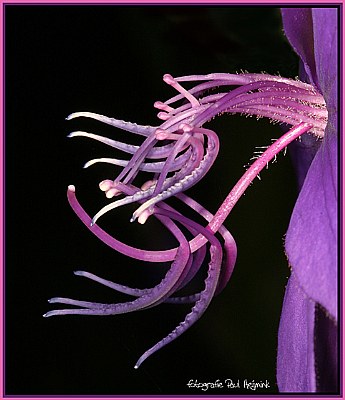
pixel 163 116
pixel 162 106
pixel 106 185
pixel 112 192
pixel 109 188
pixel 144 215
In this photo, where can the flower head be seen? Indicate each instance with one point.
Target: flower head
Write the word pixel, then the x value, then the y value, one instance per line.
pixel 185 151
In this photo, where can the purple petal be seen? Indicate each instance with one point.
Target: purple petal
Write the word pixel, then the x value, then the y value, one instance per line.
pixel 326 58
pixel 311 240
pixel 298 27
pixel 295 362
pixel 302 153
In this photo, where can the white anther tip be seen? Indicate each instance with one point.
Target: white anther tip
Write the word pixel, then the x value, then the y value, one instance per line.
pixel 105 185
pixel 139 362
pixel 48 314
pixel 111 193
pixel 79 114
pixel 53 300
pixel 75 133
pixel 143 218
pixel 71 116
pixel 71 188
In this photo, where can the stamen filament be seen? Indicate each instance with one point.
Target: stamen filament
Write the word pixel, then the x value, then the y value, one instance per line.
pixel 240 187
pixel 167 78
pixel 144 130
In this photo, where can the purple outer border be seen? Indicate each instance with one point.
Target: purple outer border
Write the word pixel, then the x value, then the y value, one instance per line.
pixel 2 178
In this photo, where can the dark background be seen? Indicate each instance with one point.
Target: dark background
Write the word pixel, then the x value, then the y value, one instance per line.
pixel 110 60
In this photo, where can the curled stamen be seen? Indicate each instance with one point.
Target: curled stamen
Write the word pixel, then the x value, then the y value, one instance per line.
pixel 205 296
pixel 128 148
pixel 167 78
pixel 196 168
pixel 110 188
pixel 156 295
pixel 162 106
pixel 148 167
pixel 126 126
pixel 189 180
pixel 156 152
pixel 130 171
pixel 181 140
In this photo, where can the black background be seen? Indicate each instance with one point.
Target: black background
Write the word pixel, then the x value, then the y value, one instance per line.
pixel 110 60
